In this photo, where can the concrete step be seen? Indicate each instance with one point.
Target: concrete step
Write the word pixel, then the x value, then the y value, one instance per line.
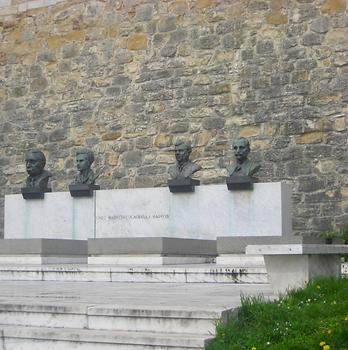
pixel 43 338
pixel 42 315
pixel 111 317
pixel 196 273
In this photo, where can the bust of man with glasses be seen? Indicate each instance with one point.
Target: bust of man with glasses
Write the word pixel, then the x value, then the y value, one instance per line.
pixel 35 162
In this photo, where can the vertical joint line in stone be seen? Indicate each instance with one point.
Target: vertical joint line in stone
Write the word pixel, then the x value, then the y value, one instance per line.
pixel 94 214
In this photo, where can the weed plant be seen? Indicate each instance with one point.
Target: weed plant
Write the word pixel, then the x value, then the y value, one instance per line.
pixel 313 318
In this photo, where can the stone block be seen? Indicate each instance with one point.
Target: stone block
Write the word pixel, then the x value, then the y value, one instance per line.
pixel 212 210
pixel 202 4
pixel 144 12
pixel 207 42
pixel 264 47
pixel 248 131
pixel 310 137
pixel 83 190
pixel 320 25
pixel 43 251
pixel 333 6
pixel 168 51
pixel 132 158
pixel 40 219
pixel 311 39
pixel 163 140
pixel 142 246
pixel 137 42
pixel 38 84
pixel 210 123
pixel 111 136
pixel 277 18
pixel 237 245
pixel 293 265
pixel 182 185
pixel 167 24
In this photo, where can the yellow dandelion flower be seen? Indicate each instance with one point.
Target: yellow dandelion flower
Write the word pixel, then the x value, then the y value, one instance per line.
pixel 326 347
pixel 322 343
pixel 253 348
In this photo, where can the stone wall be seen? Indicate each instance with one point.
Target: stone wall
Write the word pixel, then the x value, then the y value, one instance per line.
pixel 128 78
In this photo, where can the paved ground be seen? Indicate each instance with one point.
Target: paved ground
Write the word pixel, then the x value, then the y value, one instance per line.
pixel 183 296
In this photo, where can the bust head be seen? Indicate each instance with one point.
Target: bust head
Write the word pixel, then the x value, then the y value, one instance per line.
pixel 182 151
pixel 35 162
pixel 241 148
pixel 84 159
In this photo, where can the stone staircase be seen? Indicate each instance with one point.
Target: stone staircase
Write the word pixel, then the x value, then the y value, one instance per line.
pixel 195 273
pixel 158 307
pixel 64 326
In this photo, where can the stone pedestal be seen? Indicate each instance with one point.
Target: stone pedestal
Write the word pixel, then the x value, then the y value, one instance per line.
pixel 33 193
pixel 150 251
pixel 237 183
pixel 182 185
pixel 209 212
pixel 83 190
pixel 57 216
pixel 293 265
pixel 232 249
pixel 42 251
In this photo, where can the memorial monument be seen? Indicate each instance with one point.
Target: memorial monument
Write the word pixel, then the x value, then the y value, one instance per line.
pixel 84 182
pixel 37 181
pixel 242 175
pixel 182 171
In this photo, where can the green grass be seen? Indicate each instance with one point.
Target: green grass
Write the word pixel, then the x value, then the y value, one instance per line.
pixel 299 320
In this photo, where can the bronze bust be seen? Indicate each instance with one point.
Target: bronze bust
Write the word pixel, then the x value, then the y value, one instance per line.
pixel 244 166
pixel 35 162
pixel 84 160
pixel 183 168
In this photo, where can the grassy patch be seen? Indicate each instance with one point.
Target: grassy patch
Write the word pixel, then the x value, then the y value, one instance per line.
pixel 315 317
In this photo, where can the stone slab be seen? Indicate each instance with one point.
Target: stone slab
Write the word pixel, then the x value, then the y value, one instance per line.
pixel 43 338
pixel 237 245
pixel 293 265
pixel 147 260
pixel 287 272
pixel 43 251
pixel 190 273
pixel 209 212
pixel 83 315
pixel 151 245
pixel 42 260
pixel 297 249
pixel 46 247
pixel 240 260
pixel 58 215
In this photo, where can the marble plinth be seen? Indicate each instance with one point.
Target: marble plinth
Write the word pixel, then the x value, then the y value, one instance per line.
pixel 209 212
pixel 43 251
pixel 150 251
pixel 57 216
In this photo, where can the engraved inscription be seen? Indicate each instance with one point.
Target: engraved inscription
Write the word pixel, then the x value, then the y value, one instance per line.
pixel 132 217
